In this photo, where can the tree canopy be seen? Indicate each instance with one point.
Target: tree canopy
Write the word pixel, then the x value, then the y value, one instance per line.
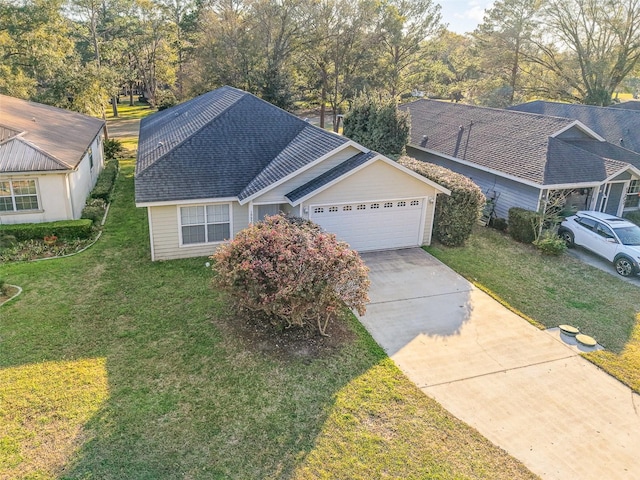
pixel 317 54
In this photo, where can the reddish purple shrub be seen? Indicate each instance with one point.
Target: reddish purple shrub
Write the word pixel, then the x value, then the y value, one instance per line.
pixel 291 271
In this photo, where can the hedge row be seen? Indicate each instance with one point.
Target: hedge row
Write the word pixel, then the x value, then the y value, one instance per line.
pixel 523 224
pixel 455 214
pixel 68 229
pixel 105 182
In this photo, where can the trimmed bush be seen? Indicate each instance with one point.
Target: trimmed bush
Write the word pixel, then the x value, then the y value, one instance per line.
pixel 94 210
pixel 523 224
pixel 112 149
pixel 67 229
pixel 106 180
pixel 291 272
pixel 550 243
pixel 455 214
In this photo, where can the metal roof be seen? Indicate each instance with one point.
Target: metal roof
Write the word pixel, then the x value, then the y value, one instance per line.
pixel 49 137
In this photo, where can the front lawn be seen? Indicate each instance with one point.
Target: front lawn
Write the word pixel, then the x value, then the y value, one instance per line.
pixel 556 290
pixel 114 367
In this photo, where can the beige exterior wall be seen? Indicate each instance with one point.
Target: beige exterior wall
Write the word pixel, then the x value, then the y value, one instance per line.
pixel 379 181
pixel 52 200
pixel 277 195
pixel 165 231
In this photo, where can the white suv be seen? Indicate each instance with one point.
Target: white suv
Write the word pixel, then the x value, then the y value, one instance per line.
pixel 614 238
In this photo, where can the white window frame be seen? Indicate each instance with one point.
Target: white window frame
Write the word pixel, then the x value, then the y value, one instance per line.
pixel 204 205
pixel 12 196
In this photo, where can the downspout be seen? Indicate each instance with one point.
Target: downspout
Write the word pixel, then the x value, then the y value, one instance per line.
pixel 69 208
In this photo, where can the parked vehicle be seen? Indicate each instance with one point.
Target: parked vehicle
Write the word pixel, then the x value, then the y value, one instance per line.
pixel 614 238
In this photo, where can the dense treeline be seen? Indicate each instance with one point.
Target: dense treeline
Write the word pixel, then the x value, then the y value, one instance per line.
pixel 80 54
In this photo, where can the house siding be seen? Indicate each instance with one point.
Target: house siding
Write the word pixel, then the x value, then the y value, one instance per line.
pixel 84 178
pixel 379 181
pixel 166 236
pixel 52 200
pixel 512 193
pixel 277 194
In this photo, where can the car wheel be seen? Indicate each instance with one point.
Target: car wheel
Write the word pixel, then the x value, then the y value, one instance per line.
pixel 624 266
pixel 567 236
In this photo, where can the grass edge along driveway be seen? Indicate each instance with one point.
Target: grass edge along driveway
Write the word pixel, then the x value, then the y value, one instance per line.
pixel 549 291
pixel 114 367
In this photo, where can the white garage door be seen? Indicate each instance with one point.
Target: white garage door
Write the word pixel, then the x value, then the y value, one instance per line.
pixel 374 225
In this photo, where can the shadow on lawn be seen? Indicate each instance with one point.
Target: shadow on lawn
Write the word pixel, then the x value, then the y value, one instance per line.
pixel 185 399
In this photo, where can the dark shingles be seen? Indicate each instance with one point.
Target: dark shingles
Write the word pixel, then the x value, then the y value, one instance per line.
pixel 221 144
pixel 329 176
pixel 612 124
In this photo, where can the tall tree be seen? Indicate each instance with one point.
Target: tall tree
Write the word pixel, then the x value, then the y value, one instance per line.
pixel 503 38
pixel 339 54
pixel 404 26
pixel 35 47
pixel 599 44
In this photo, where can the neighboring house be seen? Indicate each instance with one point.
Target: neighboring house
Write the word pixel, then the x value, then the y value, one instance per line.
pixel 50 159
pixel 211 166
pixel 619 126
pixel 521 159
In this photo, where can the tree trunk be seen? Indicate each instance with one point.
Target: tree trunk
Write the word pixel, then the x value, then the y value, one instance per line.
pixel 114 106
pixel 323 102
pixel 131 102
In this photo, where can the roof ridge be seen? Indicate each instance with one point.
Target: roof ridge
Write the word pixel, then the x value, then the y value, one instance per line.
pixel 18 138
pixel 190 136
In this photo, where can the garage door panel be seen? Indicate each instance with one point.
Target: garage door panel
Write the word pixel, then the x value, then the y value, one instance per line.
pixel 373 225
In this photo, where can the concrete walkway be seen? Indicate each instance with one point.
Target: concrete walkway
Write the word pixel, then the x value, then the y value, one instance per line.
pixel 522 388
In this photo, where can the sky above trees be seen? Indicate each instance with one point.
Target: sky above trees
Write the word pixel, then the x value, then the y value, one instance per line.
pixel 463 16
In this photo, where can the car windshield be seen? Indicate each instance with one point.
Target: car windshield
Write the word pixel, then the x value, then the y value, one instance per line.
pixel 629 235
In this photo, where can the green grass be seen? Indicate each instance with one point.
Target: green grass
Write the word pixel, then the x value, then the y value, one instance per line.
pixel 554 290
pixel 114 367
pixel 127 112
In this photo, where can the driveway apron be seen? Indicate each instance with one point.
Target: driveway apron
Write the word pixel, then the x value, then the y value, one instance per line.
pixel 522 388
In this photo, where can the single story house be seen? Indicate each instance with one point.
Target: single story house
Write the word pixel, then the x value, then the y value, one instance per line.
pixel 525 160
pixel 50 159
pixel 209 167
pixel 619 126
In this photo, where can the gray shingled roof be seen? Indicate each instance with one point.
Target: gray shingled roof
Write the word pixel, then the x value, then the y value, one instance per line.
pixel 612 124
pixel 630 105
pixel 50 137
pixel 225 143
pixel 331 175
pixel 510 142
pixel 516 143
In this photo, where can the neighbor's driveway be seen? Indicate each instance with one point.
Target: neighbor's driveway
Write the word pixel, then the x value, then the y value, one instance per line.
pixel 594 260
pixel 522 388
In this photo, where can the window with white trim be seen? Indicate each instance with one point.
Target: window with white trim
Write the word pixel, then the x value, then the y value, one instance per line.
pixel 205 224
pixel 414 203
pixel 361 207
pixel 318 210
pixel 388 204
pixel 346 208
pixel 375 205
pixel 402 204
pixel 333 209
pixel 90 154
pixel 633 194
pixel 18 195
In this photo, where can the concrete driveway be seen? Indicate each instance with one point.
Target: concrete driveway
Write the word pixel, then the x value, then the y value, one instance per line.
pixel 522 388
pixel 594 260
